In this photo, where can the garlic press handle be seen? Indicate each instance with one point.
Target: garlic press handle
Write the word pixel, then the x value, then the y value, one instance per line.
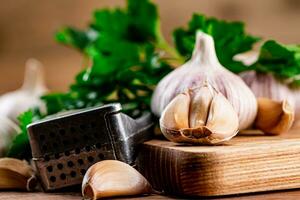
pixel 128 134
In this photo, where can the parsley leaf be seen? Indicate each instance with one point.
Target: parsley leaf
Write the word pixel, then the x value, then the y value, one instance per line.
pixel 230 39
pixel 122 45
pixel 283 61
pixel 20 147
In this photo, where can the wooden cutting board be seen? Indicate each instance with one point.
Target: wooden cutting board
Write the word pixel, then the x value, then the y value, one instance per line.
pixel 248 163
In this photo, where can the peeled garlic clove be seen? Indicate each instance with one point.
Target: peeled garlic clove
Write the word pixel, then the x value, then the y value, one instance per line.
pixel 211 118
pixel 12 104
pixel 16 174
pixel 274 117
pixel 204 66
pixel 112 178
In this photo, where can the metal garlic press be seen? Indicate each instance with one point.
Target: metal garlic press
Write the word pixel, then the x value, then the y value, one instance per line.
pixel 64 146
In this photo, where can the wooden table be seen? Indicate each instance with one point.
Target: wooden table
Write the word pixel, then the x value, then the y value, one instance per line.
pixel 287 195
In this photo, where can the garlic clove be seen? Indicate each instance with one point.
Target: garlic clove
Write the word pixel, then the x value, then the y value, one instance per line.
pixel 176 114
pixel 200 107
pixel 214 119
pixel 274 117
pixel 111 178
pixel 223 120
pixel 16 174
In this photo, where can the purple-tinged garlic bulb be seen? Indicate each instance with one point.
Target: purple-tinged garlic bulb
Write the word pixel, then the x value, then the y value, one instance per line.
pixel 266 86
pixel 203 67
pixel 199 116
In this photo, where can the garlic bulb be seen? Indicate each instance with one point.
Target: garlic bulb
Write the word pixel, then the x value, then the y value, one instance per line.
pixel 265 85
pixel 199 116
pixel 274 117
pixel 110 178
pixel 204 66
pixel 14 103
pixel 8 131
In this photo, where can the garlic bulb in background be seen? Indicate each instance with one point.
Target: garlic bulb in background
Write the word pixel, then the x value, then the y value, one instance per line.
pixel 204 66
pixel 265 85
pixel 14 103
pixel 8 131
pixel 276 101
pixel 296 95
pixel 199 116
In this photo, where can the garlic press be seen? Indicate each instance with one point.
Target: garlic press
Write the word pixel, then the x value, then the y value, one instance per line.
pixel 64 146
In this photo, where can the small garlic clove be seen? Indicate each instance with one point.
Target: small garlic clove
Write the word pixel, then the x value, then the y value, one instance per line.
pixel 211 118
pixel 200 107
pixel 111 178
pixel 176 113
pixel 274 117
pixel 222 120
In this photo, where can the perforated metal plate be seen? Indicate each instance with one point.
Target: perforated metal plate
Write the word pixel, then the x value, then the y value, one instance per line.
pixel 65 146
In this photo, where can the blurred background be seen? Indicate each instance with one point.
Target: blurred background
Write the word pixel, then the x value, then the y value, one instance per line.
pixel 27 29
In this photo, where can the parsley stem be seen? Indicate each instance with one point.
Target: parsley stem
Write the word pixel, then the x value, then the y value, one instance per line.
pixel 164 45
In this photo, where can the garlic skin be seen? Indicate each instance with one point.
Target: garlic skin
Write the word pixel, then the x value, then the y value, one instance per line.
pixel 12 104
pixel 265 85
pixel 247 58
pixel 296 95
pixel 8 131
pixel 274 117
pixel 199 116
pixel 111 178
pixel 204 66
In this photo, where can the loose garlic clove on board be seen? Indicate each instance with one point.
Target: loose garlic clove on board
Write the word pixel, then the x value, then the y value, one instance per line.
pixel 274 117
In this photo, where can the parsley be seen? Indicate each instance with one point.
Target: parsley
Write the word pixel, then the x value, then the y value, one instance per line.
pixel 123 46
pixel 283 61
pixel 230 39
pixel 20 147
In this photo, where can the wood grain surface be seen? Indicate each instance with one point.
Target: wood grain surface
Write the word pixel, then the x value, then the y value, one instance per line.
pixel 248 163
pixel 286 195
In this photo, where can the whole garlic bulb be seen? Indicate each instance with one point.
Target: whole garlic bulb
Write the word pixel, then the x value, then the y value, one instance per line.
pixel 199 116
pixel 12 104
pixel 204 66
pixel 266 86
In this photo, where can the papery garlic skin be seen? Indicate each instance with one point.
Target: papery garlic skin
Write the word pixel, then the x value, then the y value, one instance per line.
pixel 199 116
pixel 204 66
pixel 266 86
pixel 14 103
